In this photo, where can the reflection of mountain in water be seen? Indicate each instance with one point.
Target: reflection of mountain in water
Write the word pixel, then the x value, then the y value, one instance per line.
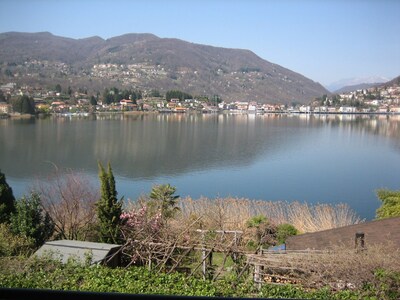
pixel 383 125
pixel 142 146
pixel 173 144
pixel 148 146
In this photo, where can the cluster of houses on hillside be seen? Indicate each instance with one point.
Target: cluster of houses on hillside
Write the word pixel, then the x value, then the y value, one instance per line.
pixel 382 100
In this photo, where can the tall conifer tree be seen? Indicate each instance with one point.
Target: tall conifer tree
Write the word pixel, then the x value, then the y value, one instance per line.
pixel 7 200
pixel 109 208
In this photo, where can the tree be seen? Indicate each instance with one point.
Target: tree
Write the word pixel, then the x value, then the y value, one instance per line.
pixel 58 88
pixel 155 93
pixel 163 200
pixel 283 231
pixel 69 198
pixel 215 100
pixel 2 97
pixel 177 94
pixel 8 73
pixel 30 220
pixel 107 96
pixel 7 200
pixel 390 204
pixel 93 100
pixel 24 105
pixel 108 207
pixel 263 230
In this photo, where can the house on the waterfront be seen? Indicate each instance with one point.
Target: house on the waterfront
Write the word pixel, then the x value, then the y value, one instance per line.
pixel 127 104
pixel 242 105
pixel 395 109
pixel 5 108
pixel 347 109
pixel 305 109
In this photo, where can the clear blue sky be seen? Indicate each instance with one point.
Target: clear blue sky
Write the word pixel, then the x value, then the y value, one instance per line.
pixel 325 40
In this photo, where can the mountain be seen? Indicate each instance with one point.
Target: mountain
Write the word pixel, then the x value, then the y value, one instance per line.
pixel 146 62
pixel 362 86
pixel 352 88
pixel 349 82
pixel 394 81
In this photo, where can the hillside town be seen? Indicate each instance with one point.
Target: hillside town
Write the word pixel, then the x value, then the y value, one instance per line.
pixel 383 99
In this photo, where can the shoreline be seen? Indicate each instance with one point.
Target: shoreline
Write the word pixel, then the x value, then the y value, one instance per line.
pixel 29 116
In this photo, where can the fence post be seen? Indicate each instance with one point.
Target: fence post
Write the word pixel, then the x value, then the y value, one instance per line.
pixel 257 270
pixel 203 256
pixel 235 256
pixel 360 241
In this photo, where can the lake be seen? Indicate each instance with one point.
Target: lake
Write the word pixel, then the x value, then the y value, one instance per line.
pixel 306 158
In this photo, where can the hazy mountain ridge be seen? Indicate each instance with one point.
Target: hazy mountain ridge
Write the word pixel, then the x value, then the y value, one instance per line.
pixel 362 86
pixel 392 82
pixel 147 62
pixel 348 83
pixel 352 88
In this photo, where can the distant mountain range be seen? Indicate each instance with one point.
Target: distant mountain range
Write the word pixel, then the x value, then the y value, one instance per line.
pixel 394 81
pixel 147 62
pixel 352 84
pixel 352 88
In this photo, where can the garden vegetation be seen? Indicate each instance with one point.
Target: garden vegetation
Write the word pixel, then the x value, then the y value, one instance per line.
pixel 166 240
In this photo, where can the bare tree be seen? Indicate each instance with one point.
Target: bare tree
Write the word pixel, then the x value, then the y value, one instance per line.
pixel 69 198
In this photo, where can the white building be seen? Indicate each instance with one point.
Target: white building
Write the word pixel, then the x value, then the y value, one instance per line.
pixel 347 109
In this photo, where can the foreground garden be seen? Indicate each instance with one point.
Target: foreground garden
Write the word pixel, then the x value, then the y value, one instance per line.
pixel 73 276
pixel 173 246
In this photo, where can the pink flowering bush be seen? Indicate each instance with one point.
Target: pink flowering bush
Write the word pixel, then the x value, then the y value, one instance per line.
pixel 138 223
pixel 141 231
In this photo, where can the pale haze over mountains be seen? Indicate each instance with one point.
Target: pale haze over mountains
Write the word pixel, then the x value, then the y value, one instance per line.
pixel 351 84
pixel 147 62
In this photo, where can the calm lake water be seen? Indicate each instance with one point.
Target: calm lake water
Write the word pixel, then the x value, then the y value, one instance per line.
pixel 308 158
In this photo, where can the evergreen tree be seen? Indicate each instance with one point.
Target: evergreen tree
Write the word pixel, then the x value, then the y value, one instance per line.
pixel 283 231
pixel 58 88
pixel 24 105
pixel 31 221
pixel 2 97
pixel 7 200
pixel 177 94
pixel 93 100
pixel 390 206
pixel 109 208
pixel 163 200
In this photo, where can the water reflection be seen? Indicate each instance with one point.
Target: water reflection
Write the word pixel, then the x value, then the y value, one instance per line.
pixel 148 146
pixel 138 146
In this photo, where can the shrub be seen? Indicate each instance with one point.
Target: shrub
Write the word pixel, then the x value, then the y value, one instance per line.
pixel 283 231
pixel 44 273
pixel 390 204
pixel 264 231
pixel 342 268
pixel 31 221
pixel 47 274
pixel 14 244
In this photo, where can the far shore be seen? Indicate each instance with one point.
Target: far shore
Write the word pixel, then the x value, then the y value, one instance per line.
pixel 28 116
pixel 21 116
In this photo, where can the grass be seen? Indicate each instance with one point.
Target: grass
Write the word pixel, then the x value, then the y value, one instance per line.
pixel 233 213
